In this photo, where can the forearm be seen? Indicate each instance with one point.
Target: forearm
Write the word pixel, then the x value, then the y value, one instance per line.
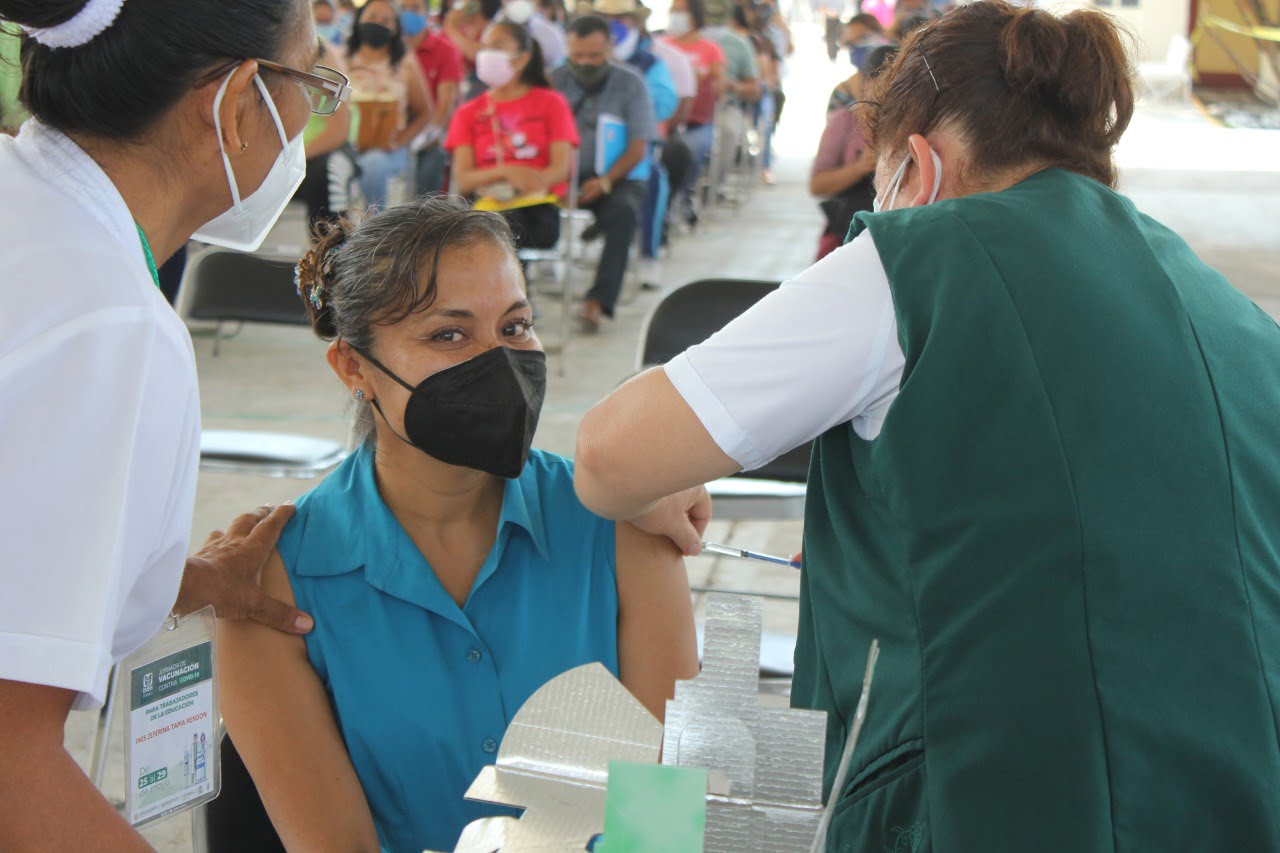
pixel 470 180
pixel 629 160
pixel 831 182
pixel 748 91
pixel 47 803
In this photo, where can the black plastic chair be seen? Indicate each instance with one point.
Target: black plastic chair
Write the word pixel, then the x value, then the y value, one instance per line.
pixel 691 314
pixel 225 286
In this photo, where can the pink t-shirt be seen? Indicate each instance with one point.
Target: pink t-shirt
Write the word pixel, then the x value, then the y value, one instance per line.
pixel 841 141
pixel 704 54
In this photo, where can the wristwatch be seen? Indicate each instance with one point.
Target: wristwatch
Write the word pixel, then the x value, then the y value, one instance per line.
pixel 606 185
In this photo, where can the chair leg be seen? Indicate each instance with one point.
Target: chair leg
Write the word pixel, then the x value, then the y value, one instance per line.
pixel 566 296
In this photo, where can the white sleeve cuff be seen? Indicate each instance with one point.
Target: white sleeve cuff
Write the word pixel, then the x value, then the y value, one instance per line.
pixel 55 662
pixel 715 418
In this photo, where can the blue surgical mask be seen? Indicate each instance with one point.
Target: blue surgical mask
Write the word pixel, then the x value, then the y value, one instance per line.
pixel 412 23
pixel 625 40
pixel 895 183
pixel 330 33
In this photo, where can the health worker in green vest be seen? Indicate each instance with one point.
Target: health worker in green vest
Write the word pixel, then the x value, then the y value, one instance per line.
pixel 1046 473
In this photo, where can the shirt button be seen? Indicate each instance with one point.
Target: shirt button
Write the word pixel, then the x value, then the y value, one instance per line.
pixel 490 745
pixel 473 656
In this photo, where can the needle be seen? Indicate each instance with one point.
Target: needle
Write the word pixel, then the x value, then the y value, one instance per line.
pixel 729 551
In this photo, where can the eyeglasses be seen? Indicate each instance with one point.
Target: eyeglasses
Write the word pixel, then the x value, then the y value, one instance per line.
pixel 326 87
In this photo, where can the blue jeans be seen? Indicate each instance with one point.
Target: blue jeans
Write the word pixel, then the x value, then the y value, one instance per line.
pixel 377 167
pixel 699 139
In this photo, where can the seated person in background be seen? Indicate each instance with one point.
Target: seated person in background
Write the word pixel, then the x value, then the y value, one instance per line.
pixel 441 64
pixel 862 34
pixel 549 36
pixel 389 92
pixel 12 113
pixel 684 32
pixel 323 138
pixel 327 28
pixel 449 577
pixel 464 24
pixel 511 146
pixel 669 76
pixel 844 167
pixel 597 90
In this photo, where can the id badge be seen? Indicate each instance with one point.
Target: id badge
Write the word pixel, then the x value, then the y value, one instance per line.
pixel 172 724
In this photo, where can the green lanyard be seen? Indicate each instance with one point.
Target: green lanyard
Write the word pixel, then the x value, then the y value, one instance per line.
pixel 151 261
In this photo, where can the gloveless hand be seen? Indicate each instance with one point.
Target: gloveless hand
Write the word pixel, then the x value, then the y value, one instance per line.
pixel 227 572
pixel 681 517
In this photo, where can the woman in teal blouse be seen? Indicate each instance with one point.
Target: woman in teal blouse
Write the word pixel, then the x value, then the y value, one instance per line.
pixel 450 570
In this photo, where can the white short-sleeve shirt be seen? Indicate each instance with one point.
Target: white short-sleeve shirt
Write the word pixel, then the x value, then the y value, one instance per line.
pixel 683 77
pixel 99 424
pixel 820 351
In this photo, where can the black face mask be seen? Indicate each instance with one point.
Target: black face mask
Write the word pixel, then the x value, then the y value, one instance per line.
pixel 590 77
pixel 375 35
pixel 479 414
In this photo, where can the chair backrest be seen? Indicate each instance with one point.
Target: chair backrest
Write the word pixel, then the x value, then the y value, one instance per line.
pixel 222 284
pixel 691 314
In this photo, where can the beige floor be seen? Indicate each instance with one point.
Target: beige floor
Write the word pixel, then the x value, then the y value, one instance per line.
pixel 1219 188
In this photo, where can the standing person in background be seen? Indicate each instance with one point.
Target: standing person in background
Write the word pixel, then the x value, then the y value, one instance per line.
pixel 599 91
pixel 441 64
pixel 12 113
pixel 684 32
pixel 381 79
pixel 512 145
pixel 100 428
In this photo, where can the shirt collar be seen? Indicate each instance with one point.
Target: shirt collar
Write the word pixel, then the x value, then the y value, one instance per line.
pixel 369 532
pixel 65 165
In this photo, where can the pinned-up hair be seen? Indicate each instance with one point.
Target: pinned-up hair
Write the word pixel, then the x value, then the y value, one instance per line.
pixel 1021 86
pixel 358 277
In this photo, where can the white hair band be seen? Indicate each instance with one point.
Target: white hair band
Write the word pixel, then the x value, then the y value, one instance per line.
pixel 90 22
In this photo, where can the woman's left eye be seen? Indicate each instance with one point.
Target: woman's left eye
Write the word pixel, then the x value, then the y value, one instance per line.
pixel 519 328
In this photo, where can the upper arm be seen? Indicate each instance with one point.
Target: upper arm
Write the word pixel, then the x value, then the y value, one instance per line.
pixel 278 713
pixel 657 644
pixel 416 82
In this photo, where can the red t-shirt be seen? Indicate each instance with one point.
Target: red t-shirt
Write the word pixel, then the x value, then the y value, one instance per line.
pixel 703 53
pixel 441 62
pixel 524 128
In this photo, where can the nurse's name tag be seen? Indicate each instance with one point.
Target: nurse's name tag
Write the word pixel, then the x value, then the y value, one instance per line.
pixel 172 725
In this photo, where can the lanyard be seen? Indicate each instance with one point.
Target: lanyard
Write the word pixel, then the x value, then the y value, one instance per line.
pixel 151 261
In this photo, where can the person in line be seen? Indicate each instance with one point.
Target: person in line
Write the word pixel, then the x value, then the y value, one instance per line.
pixel 441 64
pixel 843 170
pixel 1045 475
pixel 743 89
pixel 684 32
pixel 602 92
pixel 327 27
pixel 383 82
pixel 330 164
pixel 100 431
pixel 669 76
pixel 512 145
pixel 464 24
pixel 452 571
pixel 762 114
pixel 862 34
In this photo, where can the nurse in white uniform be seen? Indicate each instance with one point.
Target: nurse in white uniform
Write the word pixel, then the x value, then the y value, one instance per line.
pixel 153 120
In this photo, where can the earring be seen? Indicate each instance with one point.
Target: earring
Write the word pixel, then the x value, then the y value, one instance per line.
pixel 359 395
pixel 244 146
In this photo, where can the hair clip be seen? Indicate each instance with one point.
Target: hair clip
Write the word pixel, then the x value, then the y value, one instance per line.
pixel 316 299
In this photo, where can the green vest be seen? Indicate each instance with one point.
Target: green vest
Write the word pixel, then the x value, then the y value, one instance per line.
pixel 1066 538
